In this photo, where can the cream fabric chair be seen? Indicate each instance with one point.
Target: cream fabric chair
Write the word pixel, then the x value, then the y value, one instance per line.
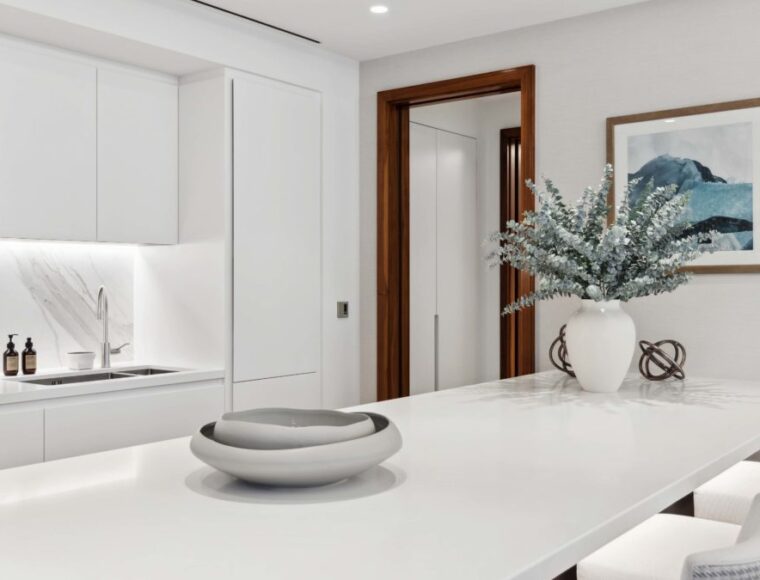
pixel 670 547
pixel 728 497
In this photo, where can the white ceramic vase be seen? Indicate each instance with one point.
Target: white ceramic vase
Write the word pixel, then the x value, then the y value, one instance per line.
pixel 601 338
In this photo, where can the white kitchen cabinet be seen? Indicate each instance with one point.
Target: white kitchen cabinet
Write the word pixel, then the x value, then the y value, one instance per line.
pixel 445 260
pixel 127 418
pixel 47 146
pixel 297 391
pixel 21 437
pixel 276 229
pixel 137 157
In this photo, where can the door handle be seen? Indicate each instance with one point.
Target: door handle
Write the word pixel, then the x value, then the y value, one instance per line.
pixel 435 352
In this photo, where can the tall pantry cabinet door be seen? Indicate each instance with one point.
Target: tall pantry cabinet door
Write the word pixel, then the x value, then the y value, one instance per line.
pixel 137 157
pixel 422 258
pixel 277 240
pixel 459 262
pixel 47 146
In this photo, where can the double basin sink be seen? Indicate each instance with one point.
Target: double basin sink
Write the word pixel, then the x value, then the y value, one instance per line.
pixel 103 376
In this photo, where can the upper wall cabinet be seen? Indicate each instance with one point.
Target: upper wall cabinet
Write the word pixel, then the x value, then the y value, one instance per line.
pixel 47 147
pixel 88 150
pixel 137 158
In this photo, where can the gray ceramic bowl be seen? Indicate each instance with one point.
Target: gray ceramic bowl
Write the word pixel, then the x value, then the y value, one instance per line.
pixel 303 466
pixel 288 428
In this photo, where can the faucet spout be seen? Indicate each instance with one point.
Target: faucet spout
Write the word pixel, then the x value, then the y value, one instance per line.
pixel 102 314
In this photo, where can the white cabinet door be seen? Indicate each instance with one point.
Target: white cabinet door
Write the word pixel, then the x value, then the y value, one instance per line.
pixel 298 391
pixel 21 435
pixel 137 158
pixel 124 419
pixel 277 205
pixel 47 146
pixel 459 262
pixel 422 258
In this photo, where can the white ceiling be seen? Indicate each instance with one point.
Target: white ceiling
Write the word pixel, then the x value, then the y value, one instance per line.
pixel 347 27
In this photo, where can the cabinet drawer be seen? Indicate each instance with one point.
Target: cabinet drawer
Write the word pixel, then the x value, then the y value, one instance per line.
pixel 21 433
pixel 298 391
pixel 126 419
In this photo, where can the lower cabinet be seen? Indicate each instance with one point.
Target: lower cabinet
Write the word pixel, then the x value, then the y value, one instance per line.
pixel 129 418
pixel 297 391
pixel 21 434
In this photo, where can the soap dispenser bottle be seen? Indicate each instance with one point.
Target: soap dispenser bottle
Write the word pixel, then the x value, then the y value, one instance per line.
pixel 29 358
pixel 10 358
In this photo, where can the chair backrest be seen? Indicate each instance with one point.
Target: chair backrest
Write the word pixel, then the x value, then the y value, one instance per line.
pixel 738 562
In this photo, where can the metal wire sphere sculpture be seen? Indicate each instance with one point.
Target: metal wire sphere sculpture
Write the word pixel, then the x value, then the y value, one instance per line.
pixel 558 353
pixel 669 365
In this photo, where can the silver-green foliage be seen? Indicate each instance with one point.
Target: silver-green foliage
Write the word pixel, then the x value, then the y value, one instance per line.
pixel 574 252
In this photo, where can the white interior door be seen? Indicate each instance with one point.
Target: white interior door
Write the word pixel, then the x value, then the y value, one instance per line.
pixel 277 229
pixel 422 258
pixel 458 261
pixel 444 260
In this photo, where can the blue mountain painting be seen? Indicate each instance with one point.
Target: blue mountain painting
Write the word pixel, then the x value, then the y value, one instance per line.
pixel 715 204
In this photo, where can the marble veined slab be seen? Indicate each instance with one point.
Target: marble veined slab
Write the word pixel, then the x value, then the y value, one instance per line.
pixel 48 290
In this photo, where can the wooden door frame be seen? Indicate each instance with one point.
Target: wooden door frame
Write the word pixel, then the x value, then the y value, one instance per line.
pixel 393 212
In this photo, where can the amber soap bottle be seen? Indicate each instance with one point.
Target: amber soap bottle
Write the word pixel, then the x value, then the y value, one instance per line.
pixel 10 358
pixel 29 358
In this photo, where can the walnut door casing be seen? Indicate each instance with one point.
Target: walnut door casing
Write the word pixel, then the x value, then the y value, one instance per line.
pixel 393 215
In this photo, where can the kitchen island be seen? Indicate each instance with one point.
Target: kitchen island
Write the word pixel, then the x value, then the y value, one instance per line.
pixel 511 479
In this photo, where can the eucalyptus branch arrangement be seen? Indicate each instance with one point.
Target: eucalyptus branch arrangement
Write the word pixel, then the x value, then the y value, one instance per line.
pixel 575 250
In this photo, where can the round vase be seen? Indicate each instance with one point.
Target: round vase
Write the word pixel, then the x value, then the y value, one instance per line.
pixel 601 338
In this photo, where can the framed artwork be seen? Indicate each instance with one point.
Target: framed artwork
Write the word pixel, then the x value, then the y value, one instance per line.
pixel 711 152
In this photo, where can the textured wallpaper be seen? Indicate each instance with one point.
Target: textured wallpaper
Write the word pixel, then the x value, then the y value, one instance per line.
pixel 48 290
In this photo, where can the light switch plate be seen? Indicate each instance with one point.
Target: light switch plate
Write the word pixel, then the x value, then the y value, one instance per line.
pixel 342 309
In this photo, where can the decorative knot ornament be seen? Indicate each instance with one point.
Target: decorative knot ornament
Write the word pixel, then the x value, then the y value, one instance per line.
pixel 558 353
pixel 669 364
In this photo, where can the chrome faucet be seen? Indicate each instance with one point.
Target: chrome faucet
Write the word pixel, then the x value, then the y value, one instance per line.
pixel 105 346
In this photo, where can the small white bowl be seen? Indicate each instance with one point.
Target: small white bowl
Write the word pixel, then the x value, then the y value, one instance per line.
pixel 304 466
pixel 278 428
pixel 81 360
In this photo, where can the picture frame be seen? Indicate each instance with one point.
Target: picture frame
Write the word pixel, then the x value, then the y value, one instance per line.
pixel 711 151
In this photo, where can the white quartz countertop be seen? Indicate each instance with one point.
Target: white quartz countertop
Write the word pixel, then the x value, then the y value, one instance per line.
pixel 515 479
pixel 18 389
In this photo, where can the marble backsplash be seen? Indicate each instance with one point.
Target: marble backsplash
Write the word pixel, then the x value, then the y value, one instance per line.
pixel 49 290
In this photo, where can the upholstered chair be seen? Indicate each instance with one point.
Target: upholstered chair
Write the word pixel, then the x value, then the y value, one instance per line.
pixel 671 547
pixel 728 497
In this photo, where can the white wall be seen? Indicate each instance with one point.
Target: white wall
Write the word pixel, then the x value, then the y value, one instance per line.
pixel 482 119
pixel 462 117
pixel 494 114
pixel 207 35
pixel 657 55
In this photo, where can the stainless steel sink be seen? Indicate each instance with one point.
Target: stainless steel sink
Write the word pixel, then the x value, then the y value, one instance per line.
pixel 148 371
pixel 79 379
pixel 104 376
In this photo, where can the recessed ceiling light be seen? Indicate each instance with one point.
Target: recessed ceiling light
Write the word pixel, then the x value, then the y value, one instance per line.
pixel 378 9
pixel 670 120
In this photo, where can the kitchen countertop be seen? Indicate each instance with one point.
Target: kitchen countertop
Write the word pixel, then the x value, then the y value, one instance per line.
pixel 512 479
pixel 19 389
